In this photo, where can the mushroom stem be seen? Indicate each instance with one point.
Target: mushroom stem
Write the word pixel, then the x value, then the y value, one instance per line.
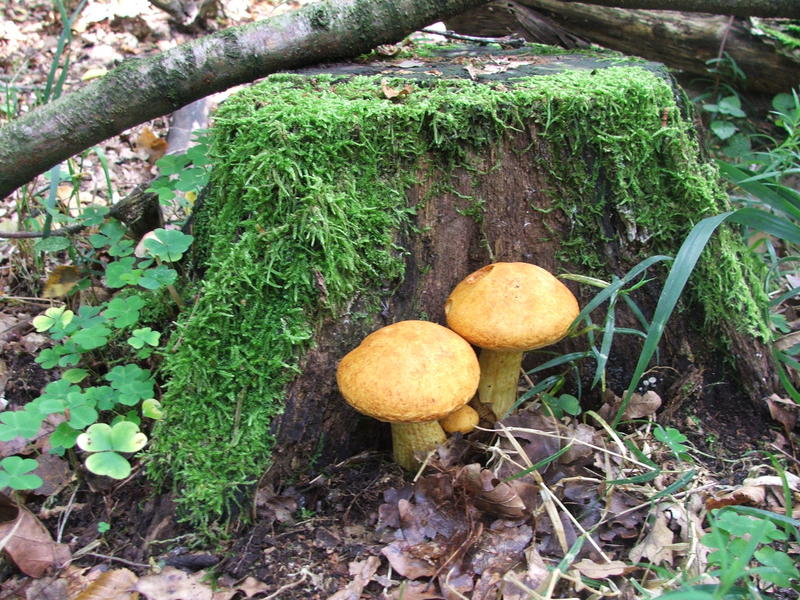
pixel 408 439
pixel 499 379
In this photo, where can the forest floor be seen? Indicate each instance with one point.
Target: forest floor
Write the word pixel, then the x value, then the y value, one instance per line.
pixel 361 529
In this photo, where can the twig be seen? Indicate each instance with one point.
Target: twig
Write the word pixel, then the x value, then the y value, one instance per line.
pixel 509 41
pixel 288 586
pixel 124 561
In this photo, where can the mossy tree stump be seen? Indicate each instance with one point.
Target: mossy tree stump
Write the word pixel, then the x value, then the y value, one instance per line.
pixel 347 199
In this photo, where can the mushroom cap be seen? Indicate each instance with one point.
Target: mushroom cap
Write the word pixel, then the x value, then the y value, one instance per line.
pixel 461 420
pixel 409 372
pixel 511 307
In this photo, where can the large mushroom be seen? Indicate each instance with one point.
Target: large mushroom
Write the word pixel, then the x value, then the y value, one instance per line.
pixel 507 309
pixel 410 374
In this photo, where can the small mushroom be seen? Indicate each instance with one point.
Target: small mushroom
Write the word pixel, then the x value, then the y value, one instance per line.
pixel 410 374
pixel 507 309
pixel 462 420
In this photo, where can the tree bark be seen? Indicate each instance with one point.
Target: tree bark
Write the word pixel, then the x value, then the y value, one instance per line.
pixel 741 8
pixel 682 41
pixel 142 89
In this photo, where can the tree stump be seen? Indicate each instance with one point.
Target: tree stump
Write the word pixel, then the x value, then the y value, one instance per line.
pixel 347 198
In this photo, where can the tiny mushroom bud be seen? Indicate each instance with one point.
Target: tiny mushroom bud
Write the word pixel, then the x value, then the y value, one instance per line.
pixel 410 374
pixel 506 309
pixel 462 420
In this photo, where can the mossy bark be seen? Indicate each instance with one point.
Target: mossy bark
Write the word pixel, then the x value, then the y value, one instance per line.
pixel 335 209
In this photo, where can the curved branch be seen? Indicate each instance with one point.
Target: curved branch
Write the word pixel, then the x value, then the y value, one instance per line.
pixel 740 8
pixel 142 89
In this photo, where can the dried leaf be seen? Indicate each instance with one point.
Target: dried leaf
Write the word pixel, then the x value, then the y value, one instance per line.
pixel 642 405
pixel 362 572
pixel 414 590
pixel 27 542
pixel 251 586
pixel 657 544
pixel 406 565
pixel 60 281
pixel 55 473
pixel 173 584
pixel 748 495
pixel 589 568
pixel 492 495
pixel 152 145
pixel 116 584
pixel 391 93
pixel 783 411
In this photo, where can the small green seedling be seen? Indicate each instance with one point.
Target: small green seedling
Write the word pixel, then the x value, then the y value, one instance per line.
pixel 105 443
pixel 15 473
pixel 674 440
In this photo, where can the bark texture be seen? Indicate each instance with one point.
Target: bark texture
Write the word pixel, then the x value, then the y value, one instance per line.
pixel 681 40
pixel 741 8
pixel 142 89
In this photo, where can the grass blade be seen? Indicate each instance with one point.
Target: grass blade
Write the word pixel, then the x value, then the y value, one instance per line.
pixel 682 268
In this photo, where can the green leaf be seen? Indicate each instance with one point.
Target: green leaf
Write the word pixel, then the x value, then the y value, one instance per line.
pixel 143 336
pixel 52 244
pixel 151 408
pixel 122 272
pixel 19 423
pixel 132 383
pixel 167 244
pixel 75 375
pixel 103 396
pixel 15 472
pixel 123 436
pixel 111 232
pixel 64 436
pixel 91 338
pixel 731 105
pixel 124 312
pixel 52 316
pixel 109 464
pixel 158 277
pixel 779 568
pixel 82 412
pixel 723 129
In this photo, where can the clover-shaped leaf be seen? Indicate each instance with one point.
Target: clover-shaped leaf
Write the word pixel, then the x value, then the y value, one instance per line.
pixel 109 464
pixel 132 383
pixel 123 436
pixel 167 244
pixel 143 336
pixel 19 423
pixel 52 316
pixel 91 338
pixel 64 436
pixel 122 272
pixel 124 312
pixel 158 277
pixel 81 410
pixel 15 473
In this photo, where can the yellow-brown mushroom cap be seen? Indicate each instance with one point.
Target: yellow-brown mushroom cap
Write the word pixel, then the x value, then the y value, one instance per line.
pixel 409 372
pixel 511 307
pixel 461 420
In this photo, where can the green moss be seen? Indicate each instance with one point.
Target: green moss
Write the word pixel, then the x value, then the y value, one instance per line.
pixel 308 193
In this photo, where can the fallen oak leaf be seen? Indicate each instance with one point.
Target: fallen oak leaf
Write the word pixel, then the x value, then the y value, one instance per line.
pixel 391 93
pixel 362 572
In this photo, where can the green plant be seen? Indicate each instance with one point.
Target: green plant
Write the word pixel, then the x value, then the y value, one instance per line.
pixel 748 556
pixel 92 328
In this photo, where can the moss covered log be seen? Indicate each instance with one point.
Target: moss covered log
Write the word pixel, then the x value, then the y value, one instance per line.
pixel 324 218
